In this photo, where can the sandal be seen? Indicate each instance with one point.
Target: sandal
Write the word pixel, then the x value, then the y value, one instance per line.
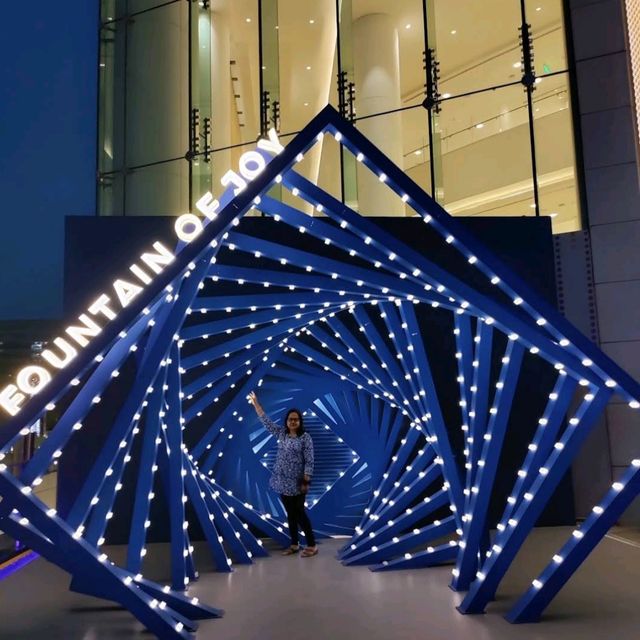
pixel 291 551
pixel 310 551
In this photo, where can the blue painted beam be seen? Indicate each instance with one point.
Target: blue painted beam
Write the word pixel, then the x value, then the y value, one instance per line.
pixel 564 564
pixel 476 515
pixel 508 542
pixel 430 557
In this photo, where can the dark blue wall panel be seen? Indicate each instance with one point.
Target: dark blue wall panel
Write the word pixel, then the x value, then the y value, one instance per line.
pixel 98 250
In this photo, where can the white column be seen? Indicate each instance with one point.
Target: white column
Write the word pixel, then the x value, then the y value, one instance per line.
pixel 221 98
pixel 157 111
pixel 376 58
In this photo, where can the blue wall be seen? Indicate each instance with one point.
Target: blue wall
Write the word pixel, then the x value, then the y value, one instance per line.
pixel 524 244
pixel 48 119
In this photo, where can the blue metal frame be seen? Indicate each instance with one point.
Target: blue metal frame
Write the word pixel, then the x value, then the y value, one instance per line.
pixel 302 345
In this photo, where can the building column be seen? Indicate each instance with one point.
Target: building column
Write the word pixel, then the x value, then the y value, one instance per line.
pixel 606 119
pixel 376 57
pixel 157 115
pixel 221 98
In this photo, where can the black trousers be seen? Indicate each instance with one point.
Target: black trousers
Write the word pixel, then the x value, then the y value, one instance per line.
pixel 298 517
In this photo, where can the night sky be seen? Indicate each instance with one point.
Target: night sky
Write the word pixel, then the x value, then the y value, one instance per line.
pixel 48 121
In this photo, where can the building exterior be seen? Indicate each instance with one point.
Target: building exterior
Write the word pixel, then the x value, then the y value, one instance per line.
pixel 186 87
pixel 499 108
pixel 445 89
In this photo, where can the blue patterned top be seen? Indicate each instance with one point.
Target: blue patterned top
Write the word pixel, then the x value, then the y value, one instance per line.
pixel 294 459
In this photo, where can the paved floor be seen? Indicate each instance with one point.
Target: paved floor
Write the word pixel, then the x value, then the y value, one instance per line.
pixel 311 599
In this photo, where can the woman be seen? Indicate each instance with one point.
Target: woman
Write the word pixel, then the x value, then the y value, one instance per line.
pixel 292 473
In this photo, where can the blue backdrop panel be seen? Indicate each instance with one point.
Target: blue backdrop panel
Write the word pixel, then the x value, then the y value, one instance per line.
pixel 524 242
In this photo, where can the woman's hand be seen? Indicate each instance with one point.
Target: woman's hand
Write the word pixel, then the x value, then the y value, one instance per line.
pixel 253 399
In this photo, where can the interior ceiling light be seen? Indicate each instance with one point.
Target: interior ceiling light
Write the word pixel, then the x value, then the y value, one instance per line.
pixel 308 68
pixel 407 26
pixel 453 32
pixel 247 19
pixel 312 21
pixel 480 125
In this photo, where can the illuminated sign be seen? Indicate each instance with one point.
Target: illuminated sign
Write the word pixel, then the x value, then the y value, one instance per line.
pixel 33 378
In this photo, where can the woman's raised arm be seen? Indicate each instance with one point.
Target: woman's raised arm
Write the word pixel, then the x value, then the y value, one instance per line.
pixel 273 428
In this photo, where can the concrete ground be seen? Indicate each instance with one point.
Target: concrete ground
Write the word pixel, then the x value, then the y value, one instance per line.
pixel 316 598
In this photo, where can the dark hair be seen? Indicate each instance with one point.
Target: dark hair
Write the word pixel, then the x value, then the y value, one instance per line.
pixel 300 429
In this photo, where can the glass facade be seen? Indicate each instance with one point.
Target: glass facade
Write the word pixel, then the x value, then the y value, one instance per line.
pixel 472 100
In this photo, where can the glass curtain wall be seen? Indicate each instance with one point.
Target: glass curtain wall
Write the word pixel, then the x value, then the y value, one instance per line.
pixel 472 100
pixel 145 111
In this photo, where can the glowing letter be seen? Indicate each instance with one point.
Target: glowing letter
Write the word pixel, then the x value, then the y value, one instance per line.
pixel 188 227
pixel 100 306
pixel 10 401
pixel 154 260
pixel 68 350
pixel 272 145
pixel 139 273
pixel 231 177
pixel 90 329
pixel 253 158
pixel 126 291
pixel 32 379
pixel 208 205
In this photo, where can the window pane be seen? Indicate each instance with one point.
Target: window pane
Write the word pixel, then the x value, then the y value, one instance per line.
pixel 116 9
pixel 299 73
pixel 160 190
pixel 157 95
pixel 555 153
pixel 201 100
pixel 270 72
pixel 307 60
pixel 387 76
pixel 135 6
pixel 476 43
pixel 382 50
pixel 484 162
pixel 111 115
pixel 111 9
pixel 206 175
pixel 111 194
pixel 546 18
pixel 397 29
pixel 416 150
pixel 225 89
pixel 410 152
pixel 321 166
pixel 237 29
